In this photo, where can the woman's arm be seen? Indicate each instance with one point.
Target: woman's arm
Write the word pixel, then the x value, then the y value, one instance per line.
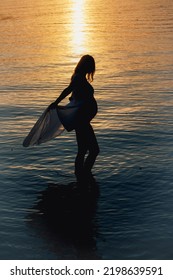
pixel 63 95
pixel 74 84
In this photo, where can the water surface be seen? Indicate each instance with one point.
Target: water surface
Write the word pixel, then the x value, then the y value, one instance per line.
pixel 129 212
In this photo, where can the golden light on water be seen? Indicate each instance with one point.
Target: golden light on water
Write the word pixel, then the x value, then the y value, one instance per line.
pixel 78 25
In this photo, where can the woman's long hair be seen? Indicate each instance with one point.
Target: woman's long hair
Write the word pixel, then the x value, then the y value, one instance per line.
pixel 86 66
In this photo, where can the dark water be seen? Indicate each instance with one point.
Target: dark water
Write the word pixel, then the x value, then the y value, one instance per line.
pixel 128 211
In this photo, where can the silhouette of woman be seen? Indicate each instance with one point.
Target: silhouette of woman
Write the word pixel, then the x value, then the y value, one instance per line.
pixel 83 94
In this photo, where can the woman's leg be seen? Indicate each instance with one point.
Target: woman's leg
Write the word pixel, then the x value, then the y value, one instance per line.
pixel 93 149
pixel 82 150
pixel 87 142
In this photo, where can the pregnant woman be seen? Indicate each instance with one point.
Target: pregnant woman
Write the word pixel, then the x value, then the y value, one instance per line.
pixel 83 96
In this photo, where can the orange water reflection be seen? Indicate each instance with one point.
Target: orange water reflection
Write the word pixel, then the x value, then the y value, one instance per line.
pixel 78 34
pixel 133 50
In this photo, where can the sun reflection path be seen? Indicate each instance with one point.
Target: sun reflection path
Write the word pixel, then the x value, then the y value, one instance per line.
pixel 78 26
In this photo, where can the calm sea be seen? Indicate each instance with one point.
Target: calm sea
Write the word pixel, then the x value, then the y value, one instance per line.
pixel 128 214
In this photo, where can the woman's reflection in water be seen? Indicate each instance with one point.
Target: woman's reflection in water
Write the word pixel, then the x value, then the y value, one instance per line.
pixel 68 217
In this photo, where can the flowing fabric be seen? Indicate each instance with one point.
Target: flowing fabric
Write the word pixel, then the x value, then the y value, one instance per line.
pixel 52 123
pixel 69 115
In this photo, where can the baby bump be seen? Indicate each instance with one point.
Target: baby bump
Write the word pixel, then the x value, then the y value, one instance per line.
pixel 88 110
